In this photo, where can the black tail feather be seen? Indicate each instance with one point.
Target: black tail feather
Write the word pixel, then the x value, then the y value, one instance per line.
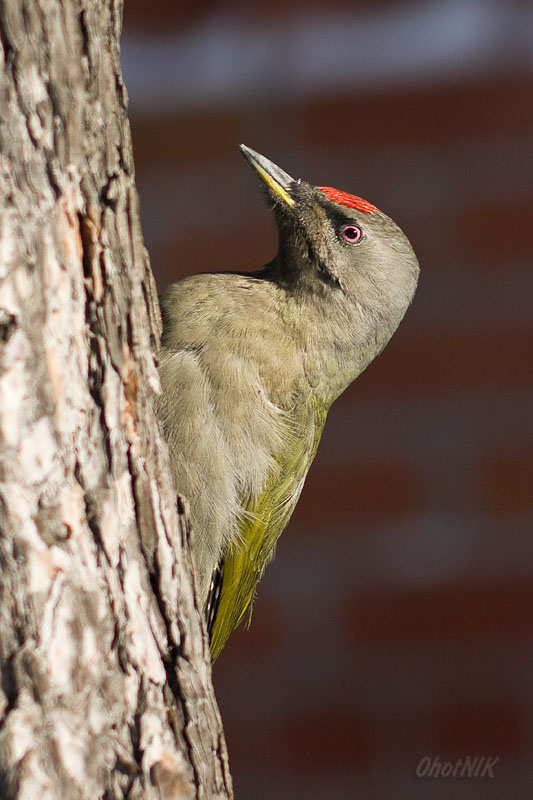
pixel 213 597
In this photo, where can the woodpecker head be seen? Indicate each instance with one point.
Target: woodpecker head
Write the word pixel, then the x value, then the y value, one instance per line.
pixel 341 250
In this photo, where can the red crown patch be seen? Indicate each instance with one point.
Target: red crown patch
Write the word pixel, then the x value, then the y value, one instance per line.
pixel 348 200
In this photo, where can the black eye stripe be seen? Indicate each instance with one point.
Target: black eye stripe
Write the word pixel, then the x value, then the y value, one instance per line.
pixel 326 274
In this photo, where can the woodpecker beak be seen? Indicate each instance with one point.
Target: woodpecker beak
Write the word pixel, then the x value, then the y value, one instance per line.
pixel 275 178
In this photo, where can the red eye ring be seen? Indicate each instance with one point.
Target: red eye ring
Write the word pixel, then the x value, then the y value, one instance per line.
pixel 352 234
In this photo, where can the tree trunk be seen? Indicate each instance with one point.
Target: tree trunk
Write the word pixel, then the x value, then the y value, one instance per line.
pixel 105 679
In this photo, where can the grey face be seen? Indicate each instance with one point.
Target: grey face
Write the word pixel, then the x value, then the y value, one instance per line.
pixel 336 250
pixel 340 249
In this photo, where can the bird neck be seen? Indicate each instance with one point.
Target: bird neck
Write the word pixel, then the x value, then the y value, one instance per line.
pixel 336 335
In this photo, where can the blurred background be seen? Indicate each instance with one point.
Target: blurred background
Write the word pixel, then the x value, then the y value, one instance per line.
pixel 396 621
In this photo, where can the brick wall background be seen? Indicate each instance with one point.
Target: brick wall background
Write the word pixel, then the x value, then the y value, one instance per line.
pixel 396 621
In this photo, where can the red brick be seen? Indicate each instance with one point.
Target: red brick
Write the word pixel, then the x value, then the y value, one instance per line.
pixel 342 494
pixel 250 249
pixel 506 482
pixel 259 636
pixel 497 231
pixel 138 14
pixel 430 114
pixel 401 116
pixel 163 15
pixel 455 612
pixel 323 740
pixel 166 139
pixel 482 728
pixel 249 746
pixel 458 360
pixel 278 9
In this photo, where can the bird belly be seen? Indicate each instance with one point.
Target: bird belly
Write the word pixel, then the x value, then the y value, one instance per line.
pixel 224 435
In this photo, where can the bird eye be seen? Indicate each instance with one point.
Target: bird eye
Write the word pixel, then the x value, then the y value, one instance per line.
pixel 352 233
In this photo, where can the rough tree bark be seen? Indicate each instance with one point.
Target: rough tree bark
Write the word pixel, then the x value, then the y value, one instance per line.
pixel 105 681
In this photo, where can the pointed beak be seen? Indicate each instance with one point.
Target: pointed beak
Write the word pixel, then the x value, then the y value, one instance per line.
pixel 277 180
